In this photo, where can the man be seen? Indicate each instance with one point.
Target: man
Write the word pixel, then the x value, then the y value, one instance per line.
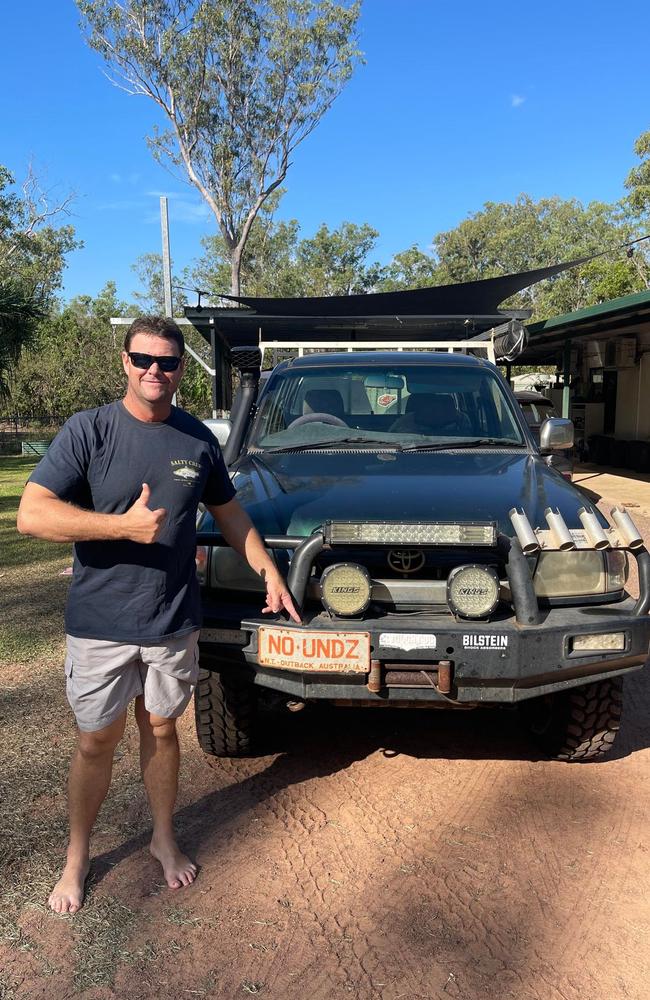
pixel 123 483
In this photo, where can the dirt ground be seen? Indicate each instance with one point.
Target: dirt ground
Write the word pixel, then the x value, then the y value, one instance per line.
pixel 417 856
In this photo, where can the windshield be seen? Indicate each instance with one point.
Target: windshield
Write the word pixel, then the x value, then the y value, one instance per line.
pixel 536 412
pixel 398 406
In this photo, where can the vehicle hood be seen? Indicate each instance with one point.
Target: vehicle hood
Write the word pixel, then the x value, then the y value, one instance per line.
pixel 294 494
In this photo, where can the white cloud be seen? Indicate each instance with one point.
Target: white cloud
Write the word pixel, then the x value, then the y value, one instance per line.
pixel 516 101
pixel 131 178
pixel 181 208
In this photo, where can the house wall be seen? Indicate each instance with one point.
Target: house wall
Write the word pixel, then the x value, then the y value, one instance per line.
pixel 642 425
pixel 627 395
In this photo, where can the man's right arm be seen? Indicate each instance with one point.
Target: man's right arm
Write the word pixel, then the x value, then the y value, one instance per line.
pixel 44 515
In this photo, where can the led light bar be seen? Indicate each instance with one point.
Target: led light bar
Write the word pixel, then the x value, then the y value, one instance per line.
pixel 403 533
pixel 605 640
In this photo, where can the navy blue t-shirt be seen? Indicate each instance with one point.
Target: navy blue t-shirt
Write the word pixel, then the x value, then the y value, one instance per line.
pixel 122 590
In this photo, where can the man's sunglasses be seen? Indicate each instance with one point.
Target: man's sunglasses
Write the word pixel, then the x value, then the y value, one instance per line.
pixel 166 362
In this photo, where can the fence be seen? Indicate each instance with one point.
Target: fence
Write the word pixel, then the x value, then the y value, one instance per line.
pixel 22 435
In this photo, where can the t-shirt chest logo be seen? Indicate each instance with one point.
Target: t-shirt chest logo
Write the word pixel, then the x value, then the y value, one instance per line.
pixel 185 471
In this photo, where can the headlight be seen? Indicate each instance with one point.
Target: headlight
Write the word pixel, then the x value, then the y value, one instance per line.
pixel 618 568
pixel 345 588
pixel 472 591
pixel 230 571
pixel 580 573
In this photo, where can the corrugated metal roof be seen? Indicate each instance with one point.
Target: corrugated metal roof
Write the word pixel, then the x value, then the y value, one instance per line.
pixel 610 308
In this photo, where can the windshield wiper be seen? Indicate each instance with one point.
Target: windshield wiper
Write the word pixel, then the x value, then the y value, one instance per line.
pixel 333 443
pixel 451 444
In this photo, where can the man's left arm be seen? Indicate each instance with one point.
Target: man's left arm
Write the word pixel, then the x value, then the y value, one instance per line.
pixel 240 533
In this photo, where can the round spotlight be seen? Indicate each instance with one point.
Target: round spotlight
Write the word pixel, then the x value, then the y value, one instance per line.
pixel 472 591
pixel 345 589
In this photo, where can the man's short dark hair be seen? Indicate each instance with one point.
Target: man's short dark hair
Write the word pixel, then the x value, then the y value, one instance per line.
pixel 155 326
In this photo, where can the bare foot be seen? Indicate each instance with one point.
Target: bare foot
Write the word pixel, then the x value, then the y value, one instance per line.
pixel 177 868
pixel 67 896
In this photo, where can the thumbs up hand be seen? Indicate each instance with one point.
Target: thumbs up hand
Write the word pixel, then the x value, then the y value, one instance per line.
pixel 141 524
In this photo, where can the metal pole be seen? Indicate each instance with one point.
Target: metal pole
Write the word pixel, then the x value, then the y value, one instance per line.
pixel 166 258
pixel 567 378
pixel 213 351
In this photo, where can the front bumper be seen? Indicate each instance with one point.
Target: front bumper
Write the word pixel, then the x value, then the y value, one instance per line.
pixel 520 655
pixel 495 662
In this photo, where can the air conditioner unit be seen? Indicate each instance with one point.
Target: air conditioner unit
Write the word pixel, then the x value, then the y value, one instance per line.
pixel 625 352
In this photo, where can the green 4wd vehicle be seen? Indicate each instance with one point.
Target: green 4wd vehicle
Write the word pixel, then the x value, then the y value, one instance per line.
pixel 436 557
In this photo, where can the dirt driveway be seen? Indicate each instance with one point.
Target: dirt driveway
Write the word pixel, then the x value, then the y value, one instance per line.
pixel 416 856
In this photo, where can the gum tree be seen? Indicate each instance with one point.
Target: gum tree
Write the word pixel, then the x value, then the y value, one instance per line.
pixel 239 84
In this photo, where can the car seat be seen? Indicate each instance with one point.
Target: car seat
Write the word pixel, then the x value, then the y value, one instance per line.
pixel 432 414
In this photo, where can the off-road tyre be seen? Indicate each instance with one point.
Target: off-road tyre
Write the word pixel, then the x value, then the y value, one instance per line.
pixel 225 714
pixel 578 724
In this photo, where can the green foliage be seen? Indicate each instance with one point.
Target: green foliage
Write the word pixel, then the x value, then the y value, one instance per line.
pixel 74 361
pixel 18 315
pixel 638 179
pixel 411 268
pixel 151 298
pixel 268 265
pixel 277 262
pixel 527 234
pixel 240 84
pixel 334 261
pixel 32 249
pixel 32 256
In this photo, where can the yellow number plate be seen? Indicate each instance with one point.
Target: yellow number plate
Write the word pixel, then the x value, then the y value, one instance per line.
pixel 323 652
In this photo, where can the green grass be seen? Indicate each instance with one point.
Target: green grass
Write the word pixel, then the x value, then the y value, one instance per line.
pixel 28 567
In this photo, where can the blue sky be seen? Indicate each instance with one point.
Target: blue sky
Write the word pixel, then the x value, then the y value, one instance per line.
pixel 457 104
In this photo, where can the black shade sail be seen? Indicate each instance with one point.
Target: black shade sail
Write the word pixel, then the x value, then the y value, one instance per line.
pixel 467 298
pixel 462 311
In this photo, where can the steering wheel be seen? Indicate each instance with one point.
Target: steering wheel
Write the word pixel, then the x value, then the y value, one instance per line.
pixel 322 418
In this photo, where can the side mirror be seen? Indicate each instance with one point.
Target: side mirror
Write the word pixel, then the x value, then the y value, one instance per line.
pixel 220 427
pixel 556 434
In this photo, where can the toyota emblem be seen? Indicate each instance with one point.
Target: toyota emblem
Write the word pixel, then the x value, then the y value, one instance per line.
pixel 406 560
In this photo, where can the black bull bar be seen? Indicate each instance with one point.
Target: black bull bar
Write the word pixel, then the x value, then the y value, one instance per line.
pixel 509 550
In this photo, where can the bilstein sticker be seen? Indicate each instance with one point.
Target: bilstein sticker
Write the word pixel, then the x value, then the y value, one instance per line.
pixel 477 641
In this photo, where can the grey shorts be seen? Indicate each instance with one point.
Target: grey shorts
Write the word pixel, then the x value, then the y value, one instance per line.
pixel 102 677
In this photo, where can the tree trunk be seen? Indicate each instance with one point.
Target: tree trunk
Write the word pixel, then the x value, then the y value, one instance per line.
pixel 235 271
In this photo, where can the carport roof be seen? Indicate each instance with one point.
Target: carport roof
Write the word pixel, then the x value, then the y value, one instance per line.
pixel 616 317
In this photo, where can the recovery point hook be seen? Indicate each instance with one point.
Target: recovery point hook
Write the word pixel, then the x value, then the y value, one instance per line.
pixel 374 677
